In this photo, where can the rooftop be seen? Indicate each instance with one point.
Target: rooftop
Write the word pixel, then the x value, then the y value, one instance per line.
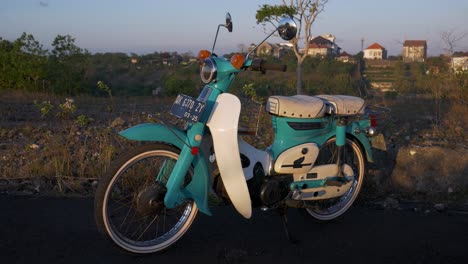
pixel 460 54
pixel 320 41
pixel 376 46
pixel 414 43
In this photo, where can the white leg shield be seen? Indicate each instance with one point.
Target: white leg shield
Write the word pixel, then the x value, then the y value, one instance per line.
pixel 223 124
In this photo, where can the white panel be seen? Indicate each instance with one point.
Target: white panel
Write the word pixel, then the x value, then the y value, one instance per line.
pixel 255 156
pixel 223 124
pixel 294 161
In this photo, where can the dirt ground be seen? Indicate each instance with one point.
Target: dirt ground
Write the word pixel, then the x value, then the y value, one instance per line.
pixel 426 158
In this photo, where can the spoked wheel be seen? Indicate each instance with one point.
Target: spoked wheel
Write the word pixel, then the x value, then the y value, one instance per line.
pixel 330 209
pixel 129 203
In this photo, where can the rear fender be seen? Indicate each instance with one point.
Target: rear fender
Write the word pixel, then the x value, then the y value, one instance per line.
pixel 362 139
pixel 198 188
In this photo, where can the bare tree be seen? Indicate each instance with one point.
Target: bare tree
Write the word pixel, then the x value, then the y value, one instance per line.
pixel 450 39
pixel 242 48
pixel 304 12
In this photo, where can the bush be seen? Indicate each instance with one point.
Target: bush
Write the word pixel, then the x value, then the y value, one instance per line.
pixel 390 94
pixel 174 86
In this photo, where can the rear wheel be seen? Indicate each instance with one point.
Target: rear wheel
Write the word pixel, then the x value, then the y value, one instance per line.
pixel 129 203
pixel 330 209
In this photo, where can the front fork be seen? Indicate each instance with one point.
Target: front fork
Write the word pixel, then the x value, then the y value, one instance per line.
pixel 175 194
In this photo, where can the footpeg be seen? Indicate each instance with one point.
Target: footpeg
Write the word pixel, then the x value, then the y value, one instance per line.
pixel 336 183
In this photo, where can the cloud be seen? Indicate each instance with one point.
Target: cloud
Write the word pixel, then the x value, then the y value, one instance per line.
pixel 43 4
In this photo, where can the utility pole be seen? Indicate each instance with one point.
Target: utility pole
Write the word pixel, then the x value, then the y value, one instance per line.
pixel 362 84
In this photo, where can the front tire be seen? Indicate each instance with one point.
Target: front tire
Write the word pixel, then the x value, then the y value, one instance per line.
pixel 129 202
pixel 331 209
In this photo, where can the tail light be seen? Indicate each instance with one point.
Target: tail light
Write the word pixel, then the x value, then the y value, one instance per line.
pixel 373 120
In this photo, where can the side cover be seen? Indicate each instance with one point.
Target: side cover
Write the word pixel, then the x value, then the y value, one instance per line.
pixel 223 124
pixel 298 159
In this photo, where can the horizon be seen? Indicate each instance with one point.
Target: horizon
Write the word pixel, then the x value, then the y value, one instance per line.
pixel 147 26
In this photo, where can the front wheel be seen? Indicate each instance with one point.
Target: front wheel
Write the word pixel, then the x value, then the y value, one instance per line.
pixel 129 202
pixel 330 209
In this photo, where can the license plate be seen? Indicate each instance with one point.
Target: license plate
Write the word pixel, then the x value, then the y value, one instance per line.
pixel 378 142
pixel 187 108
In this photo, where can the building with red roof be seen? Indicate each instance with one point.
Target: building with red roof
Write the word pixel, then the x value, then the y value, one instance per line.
pixel 375 52
pixel 345 57
pixel 323 46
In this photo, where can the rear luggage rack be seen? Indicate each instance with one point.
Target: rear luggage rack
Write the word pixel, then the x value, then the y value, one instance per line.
pixel 378 112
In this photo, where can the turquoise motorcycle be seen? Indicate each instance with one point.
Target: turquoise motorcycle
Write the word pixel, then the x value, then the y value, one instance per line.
pixel 316 163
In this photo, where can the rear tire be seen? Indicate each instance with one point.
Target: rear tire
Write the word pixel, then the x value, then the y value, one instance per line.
pixel 330 209
pixel 129 202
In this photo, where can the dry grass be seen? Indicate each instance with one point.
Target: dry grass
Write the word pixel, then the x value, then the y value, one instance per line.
pixel 431 169
pixel 427 152
pixel 66 156
pixel 59 148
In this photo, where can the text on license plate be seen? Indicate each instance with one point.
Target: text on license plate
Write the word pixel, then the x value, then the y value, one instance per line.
pixel 187 108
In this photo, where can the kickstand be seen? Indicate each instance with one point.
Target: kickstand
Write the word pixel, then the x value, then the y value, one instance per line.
pixel 284 217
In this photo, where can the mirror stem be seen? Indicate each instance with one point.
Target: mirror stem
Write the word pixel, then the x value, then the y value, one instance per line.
pixel 248 54
pixel 216 37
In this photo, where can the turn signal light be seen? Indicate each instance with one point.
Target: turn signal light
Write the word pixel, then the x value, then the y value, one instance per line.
pixel 204 54
pixel 237 61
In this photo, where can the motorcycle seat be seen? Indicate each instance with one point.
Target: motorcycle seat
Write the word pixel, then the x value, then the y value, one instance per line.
pixel 344 104
pixel 297 106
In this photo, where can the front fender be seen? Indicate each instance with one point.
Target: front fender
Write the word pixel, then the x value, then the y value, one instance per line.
pixel 198 188
pixel 156 132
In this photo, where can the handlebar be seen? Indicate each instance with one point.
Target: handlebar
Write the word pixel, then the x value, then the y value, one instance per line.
pixel 262 66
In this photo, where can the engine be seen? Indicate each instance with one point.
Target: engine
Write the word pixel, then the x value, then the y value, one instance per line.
pixel 274 190
pixel 265 190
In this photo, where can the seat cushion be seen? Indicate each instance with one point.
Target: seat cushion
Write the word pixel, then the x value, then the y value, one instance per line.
pixel 344 104
pixel 297 106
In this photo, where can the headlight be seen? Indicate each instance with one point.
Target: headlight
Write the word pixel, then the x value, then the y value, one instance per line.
pixel 208 71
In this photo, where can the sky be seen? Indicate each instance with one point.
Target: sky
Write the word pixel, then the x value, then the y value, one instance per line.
pixel 146 26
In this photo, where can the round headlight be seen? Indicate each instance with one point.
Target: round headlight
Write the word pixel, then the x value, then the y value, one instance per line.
pixel 208 71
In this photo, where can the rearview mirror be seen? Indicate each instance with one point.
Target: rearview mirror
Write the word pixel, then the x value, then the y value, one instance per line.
pixel 228 22
pixel 228 25
pixel 287 28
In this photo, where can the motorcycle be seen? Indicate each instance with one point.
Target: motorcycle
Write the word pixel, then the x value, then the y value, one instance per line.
pixel 150 196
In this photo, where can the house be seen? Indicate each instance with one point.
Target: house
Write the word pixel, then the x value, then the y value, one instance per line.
pixel 375 52
pixel 269 49
pixel 345 57
pixel 286 45
pixel 323 46
pixel 414 50
pixel 251 47
pixel 169 59
pixel 331 38
pixel 459 62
